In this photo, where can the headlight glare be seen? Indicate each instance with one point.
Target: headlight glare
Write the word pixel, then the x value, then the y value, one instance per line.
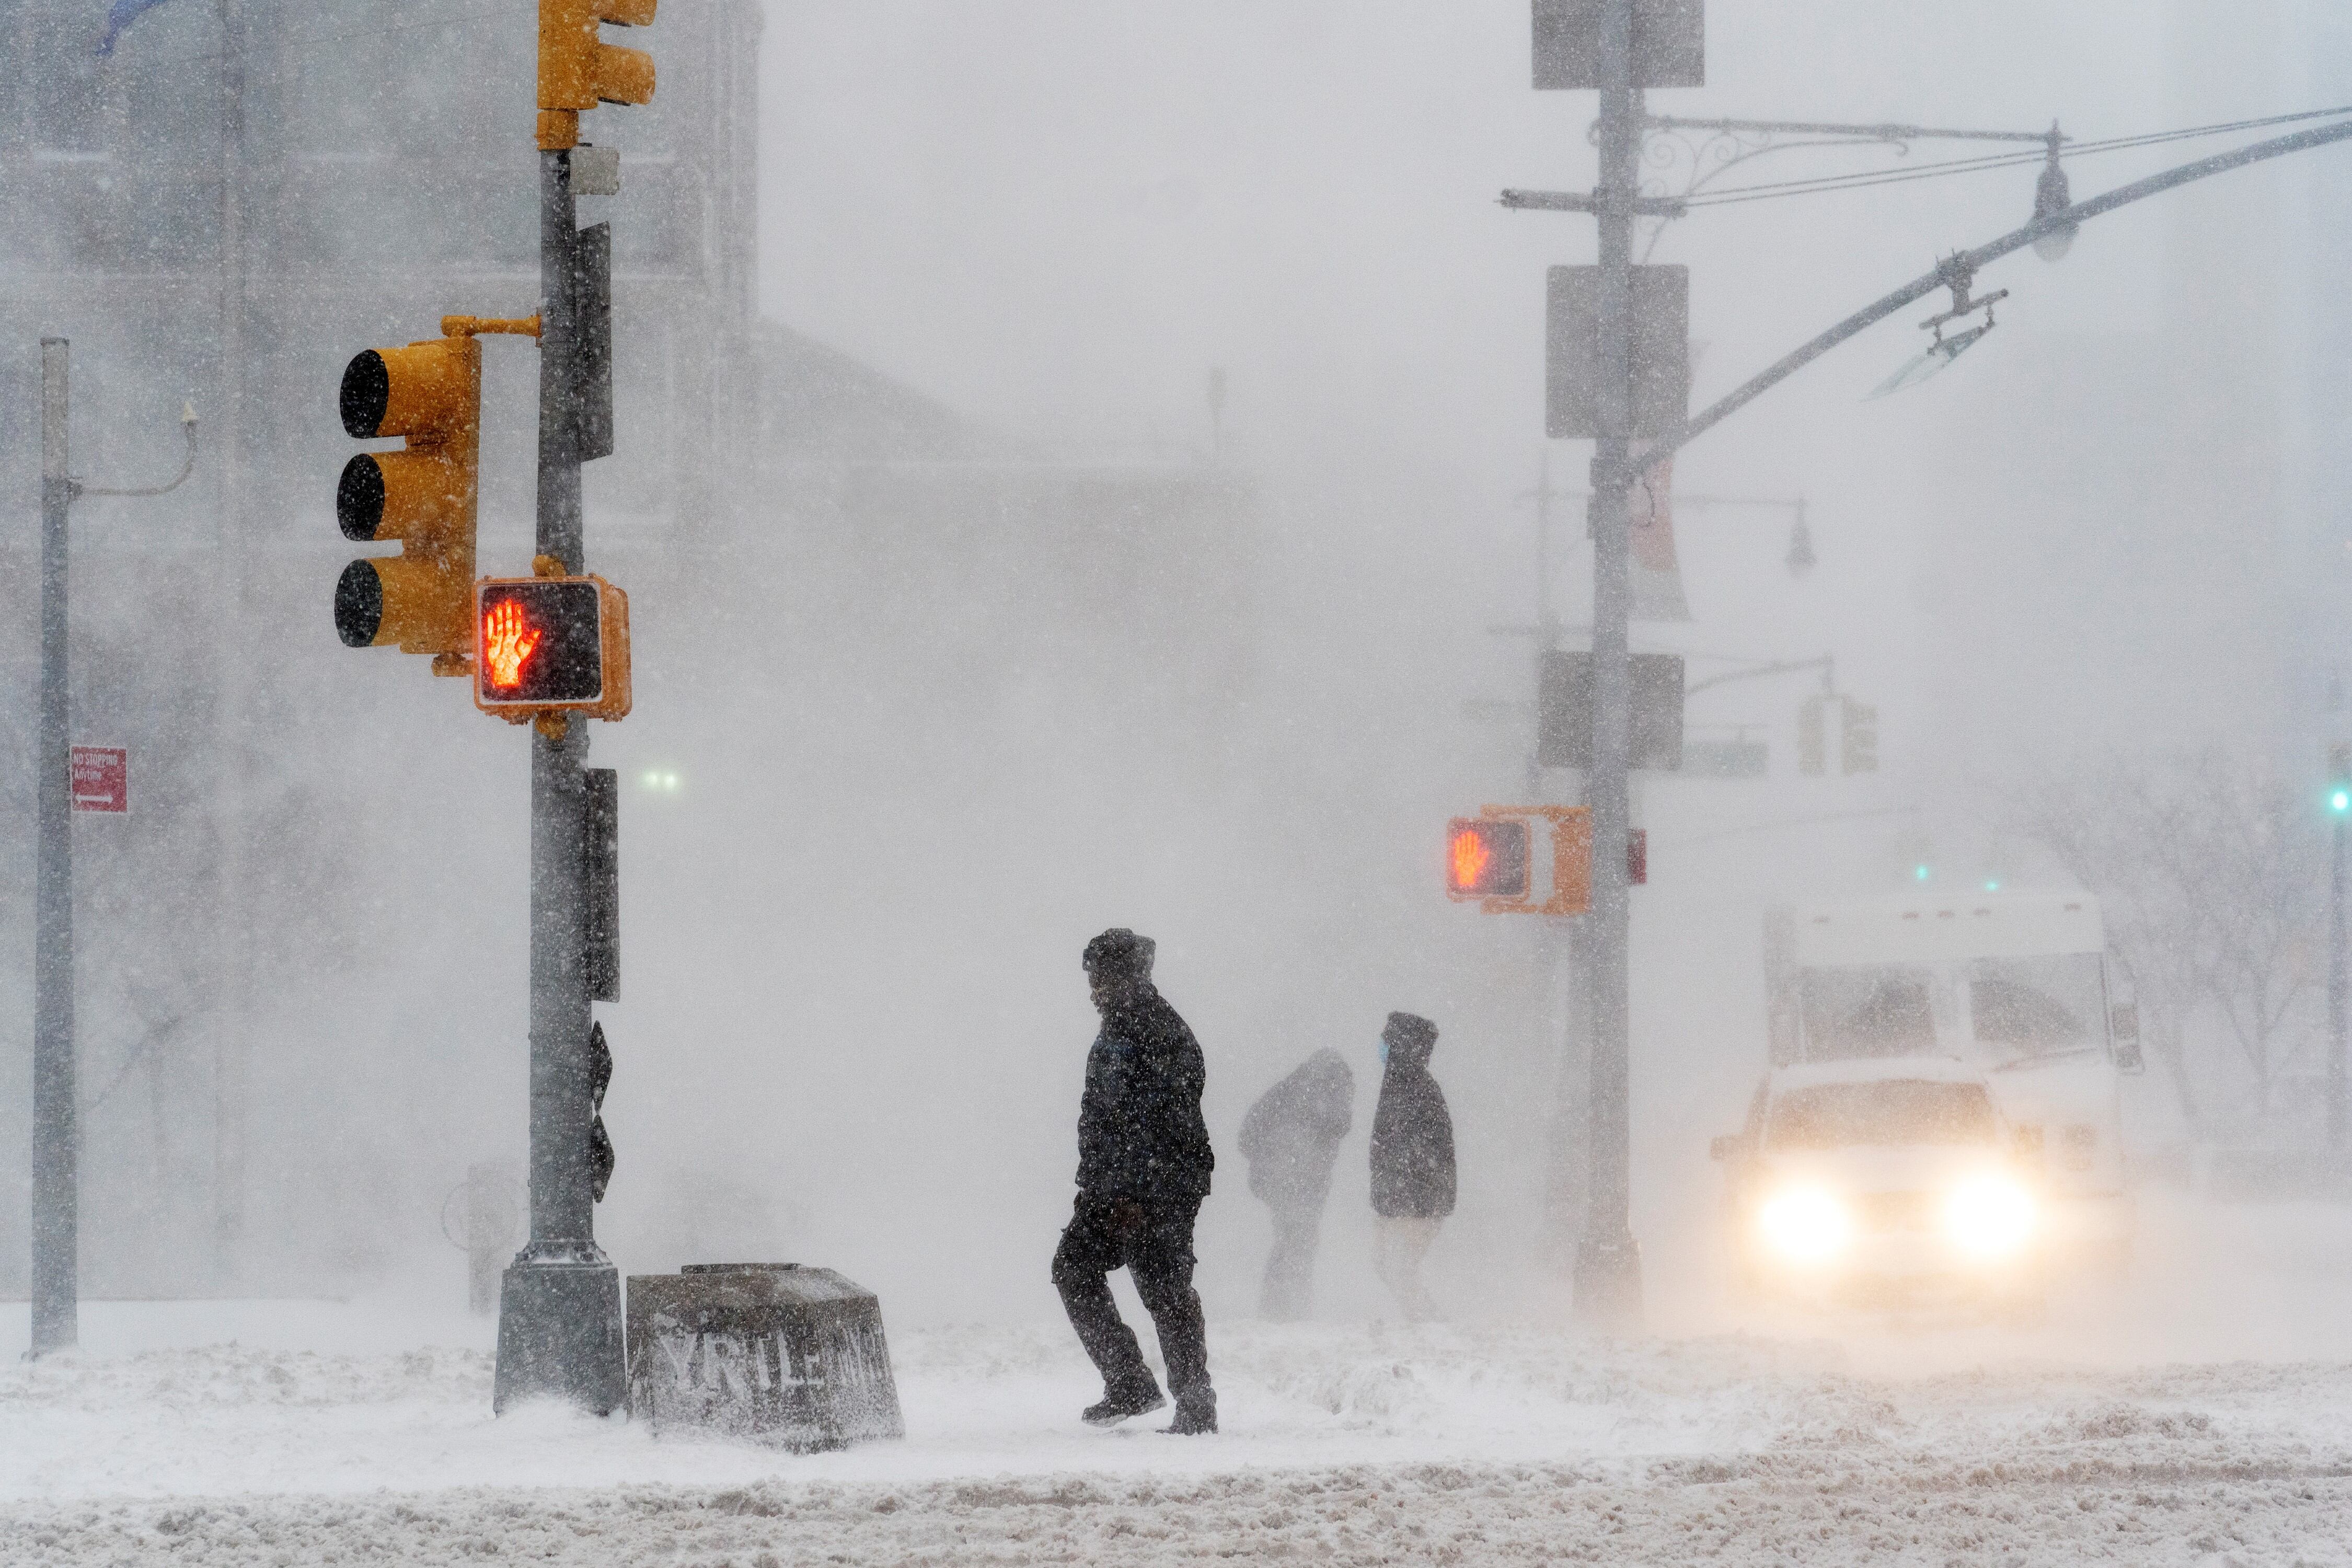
pixel 1805 1224
pixel 1990 1216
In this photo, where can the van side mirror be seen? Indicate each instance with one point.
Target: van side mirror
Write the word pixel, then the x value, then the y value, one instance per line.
pixel 2123 1030
pixel 1725 1147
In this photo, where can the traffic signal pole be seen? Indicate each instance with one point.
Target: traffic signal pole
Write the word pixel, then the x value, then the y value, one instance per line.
pixel 1608 1260
pixel 559 1302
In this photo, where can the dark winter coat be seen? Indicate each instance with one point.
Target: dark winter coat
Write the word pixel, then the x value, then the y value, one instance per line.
pixel 1291 1136
pixel 1141 1134
pixel 1412 1137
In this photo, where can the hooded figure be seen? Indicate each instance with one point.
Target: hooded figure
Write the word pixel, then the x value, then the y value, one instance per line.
pixel 1143 1168
pixel 1412 1161
pixel 1291 1139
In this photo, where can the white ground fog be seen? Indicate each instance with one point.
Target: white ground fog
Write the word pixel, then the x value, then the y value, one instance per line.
pixel 1822 1443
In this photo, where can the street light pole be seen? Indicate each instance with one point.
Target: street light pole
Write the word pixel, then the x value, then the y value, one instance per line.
pixel 2339 807
pixel 56 1231
pixel 56 1130
pixel 1608 1260
pixel 2336 987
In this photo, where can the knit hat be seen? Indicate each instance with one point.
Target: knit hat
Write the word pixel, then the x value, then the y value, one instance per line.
pixel 1121 951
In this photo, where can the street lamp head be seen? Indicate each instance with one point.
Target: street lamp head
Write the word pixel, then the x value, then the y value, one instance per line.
pixel 2050 195
pixel 1801 557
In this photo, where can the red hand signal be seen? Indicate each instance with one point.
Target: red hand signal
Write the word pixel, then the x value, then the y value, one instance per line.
pixel 507 641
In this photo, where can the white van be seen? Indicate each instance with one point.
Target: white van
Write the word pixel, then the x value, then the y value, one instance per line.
pixel 2010 991
pixel 1886 1180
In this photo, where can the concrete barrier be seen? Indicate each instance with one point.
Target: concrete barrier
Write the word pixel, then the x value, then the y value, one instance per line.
pixel 773 1352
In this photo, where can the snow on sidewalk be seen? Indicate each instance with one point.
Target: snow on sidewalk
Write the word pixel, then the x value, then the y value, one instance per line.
pixel 1343 1444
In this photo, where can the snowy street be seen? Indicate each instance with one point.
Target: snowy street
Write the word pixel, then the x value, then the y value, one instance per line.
pixel 1217 783
pixel 1342 1445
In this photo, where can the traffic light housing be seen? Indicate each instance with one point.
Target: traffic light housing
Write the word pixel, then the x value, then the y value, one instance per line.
pixel 1858 738
pixel 423 496
pixel 551 645
pixel 2339 780
pixel 1486 857
pixel 578 70
pixel 1812 736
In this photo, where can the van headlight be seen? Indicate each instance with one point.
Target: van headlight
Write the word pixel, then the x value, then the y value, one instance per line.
pixel 1805 1224
pixel 1989 1217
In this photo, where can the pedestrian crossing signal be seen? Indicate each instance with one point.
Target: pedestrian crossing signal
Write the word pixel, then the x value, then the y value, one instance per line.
pixel 1486 858
pixel 548 645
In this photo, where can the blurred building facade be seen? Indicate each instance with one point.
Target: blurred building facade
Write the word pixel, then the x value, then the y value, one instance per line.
pixel 247 192
pixel 242 195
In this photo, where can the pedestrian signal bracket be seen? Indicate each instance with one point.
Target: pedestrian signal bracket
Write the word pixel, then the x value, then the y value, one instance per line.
pixel 1572 859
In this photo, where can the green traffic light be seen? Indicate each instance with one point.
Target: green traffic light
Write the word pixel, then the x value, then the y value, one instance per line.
pixel 1919 872
pixel 2340 802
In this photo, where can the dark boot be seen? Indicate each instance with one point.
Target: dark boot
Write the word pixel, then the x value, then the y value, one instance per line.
pixel 1116 1407
pixel 1196 1413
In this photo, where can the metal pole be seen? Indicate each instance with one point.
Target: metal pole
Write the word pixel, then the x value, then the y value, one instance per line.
pixel 1558 984
pixel 232 932
pixel 1607 1262
pixel 56 1137
pixel 559 1305
pixel 2337 989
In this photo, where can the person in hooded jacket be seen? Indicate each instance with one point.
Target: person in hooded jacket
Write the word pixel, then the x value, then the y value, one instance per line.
pixel 1143 1170
pixel 1291 1139
pixel 1412 1162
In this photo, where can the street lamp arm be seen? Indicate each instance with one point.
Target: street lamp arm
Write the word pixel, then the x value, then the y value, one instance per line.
pixel 1826 662
pixel 1960 265
pixel 1823 128
pixel 187 467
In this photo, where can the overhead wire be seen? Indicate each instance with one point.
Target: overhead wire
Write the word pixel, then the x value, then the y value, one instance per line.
pixel 1863 178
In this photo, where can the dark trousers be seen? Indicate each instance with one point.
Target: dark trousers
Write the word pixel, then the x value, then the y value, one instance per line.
pixel 1158 1255
pixel 1288 1294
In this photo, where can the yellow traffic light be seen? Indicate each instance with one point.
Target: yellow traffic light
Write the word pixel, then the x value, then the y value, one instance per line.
pixel 577 70
pixel 423 497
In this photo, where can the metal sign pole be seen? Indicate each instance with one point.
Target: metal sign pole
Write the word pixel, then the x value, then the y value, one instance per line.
pixel 55 1135
pixel 1607 1262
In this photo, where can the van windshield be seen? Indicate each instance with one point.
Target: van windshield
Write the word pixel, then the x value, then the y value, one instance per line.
pixel 1868 1011
pixel 2038 1007
pixel 1895 1111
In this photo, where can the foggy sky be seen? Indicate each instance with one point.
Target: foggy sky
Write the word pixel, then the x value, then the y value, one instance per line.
pixel 852 997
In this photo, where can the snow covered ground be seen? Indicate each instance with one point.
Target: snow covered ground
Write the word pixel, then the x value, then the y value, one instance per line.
pixel 318 1437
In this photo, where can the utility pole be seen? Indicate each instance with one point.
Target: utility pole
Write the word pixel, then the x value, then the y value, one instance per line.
pixel 232 930
pixel 1608 1259
pixel 56 1234
pixel 57 1132
pixel 2336 994
pixel 1562 943
pixel 2339 807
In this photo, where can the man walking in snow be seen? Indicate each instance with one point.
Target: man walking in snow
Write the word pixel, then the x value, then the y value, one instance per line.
pixel 1412 1162
pixel 1291 1139
pixel 1143 1169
